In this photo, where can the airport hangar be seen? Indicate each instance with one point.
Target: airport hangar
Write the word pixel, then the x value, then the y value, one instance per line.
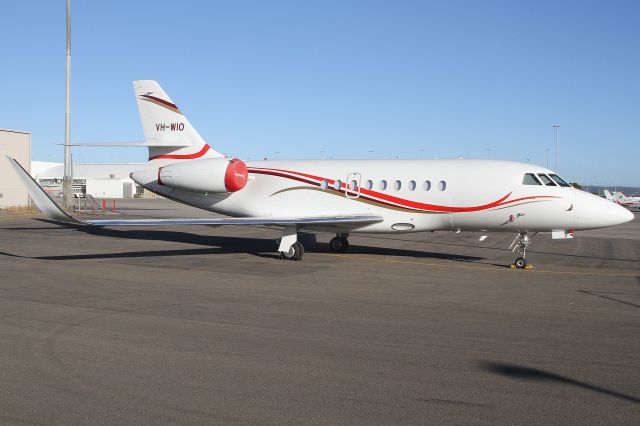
pixel 16 144
pixel 97 180
pixel 102 180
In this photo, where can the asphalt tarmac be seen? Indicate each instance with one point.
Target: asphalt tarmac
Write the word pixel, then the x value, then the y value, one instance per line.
pixel 204 325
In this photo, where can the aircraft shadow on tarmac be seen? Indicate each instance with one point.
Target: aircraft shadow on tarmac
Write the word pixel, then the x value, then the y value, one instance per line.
pixel 262 247
pixel 504 248
pixel 520 372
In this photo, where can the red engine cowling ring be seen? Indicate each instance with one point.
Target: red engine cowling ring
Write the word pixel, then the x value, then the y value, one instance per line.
pixel 236 176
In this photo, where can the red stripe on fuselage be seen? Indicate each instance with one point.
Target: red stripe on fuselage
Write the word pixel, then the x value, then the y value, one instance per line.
pixel 389 199
pixel 198 154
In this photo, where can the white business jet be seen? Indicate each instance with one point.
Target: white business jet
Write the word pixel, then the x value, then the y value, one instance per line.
pixel 346 196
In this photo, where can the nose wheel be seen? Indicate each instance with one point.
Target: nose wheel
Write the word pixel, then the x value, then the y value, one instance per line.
pixel 520 263
pixel 520 245
pixel 339 243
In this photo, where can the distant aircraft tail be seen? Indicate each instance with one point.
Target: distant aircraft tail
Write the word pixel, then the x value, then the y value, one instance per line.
pixel 608 195
pixel 620 197
pixel 167 132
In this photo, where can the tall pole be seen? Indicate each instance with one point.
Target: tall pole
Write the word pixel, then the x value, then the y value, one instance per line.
pixel 547 150
pixel 67 182
pixel 556 126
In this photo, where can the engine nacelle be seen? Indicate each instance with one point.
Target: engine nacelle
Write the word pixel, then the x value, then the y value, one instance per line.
pixel 214 175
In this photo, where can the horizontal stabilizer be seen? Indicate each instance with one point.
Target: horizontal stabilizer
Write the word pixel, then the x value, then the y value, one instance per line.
pixel 151 143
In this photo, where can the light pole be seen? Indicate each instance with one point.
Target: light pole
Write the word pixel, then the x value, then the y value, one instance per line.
pixel 547 150
pixel 67 181
pixel 556 126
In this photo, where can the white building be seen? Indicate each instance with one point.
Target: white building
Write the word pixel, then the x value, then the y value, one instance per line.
pixel 98 180
pixel 16 144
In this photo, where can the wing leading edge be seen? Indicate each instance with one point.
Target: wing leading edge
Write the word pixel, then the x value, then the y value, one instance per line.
pixel 51 209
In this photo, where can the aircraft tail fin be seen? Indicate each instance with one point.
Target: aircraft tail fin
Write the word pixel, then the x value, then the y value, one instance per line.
pixel 608 195
pixel 167 132
pixel 621 197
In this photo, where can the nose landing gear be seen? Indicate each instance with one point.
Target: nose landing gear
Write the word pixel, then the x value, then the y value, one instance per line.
pixel 520 245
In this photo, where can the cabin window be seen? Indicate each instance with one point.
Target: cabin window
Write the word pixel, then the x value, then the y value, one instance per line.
pixel 426 185
pixel 412 185
pixel 383 185
pixel 369 184
pixel 530 179
pixel 546 179
pixel 442 185
pixel 354 184
pixel 559 180
pixel 337 185
pixel 397 185
pixel 324 184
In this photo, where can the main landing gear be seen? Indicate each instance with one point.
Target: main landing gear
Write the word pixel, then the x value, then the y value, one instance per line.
pixel 339 243
pixel 520 245
pixel 290 248
pixel 295 252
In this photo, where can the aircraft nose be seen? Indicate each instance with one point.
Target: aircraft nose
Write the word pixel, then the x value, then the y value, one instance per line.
pixel 626 215
pixel 595 212
pixel 617 214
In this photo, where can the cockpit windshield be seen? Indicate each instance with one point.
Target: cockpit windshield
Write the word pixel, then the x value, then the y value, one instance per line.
pixel 559 180
pixel 530 179
pixel 546 180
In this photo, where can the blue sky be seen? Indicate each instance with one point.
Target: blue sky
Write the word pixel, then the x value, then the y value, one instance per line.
pixel 341 79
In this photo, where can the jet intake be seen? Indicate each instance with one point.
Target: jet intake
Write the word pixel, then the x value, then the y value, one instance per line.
pixel 214 175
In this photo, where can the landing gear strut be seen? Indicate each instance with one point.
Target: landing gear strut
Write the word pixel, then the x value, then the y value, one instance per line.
pixel 520 245
pixel 339 243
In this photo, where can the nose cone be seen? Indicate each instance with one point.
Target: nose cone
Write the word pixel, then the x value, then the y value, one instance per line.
pixel 627 216
pixel 592 212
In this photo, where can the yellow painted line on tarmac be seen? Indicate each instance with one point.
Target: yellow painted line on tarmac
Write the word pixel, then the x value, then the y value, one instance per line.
pixel 475 267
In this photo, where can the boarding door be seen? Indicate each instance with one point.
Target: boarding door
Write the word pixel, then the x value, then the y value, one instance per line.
pixel 352 187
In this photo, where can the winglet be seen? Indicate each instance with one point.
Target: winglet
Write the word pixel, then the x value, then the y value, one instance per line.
pixel 41 198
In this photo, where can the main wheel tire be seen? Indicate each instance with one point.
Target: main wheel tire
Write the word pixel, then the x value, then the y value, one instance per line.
pixel 295 252
pixel 299 250
pixel 520 263
pixel 338 244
